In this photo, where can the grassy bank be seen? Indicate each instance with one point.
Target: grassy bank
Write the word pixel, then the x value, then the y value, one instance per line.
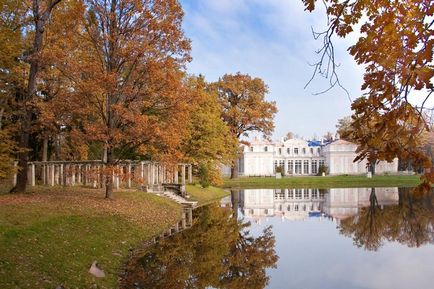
pixel 323 182
pixel 205 195
pixel 51 236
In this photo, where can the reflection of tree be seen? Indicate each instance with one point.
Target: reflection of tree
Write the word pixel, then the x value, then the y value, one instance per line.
pixel 410 222
pixel 216 252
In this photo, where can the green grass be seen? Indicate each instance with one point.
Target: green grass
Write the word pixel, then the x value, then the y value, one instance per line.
pixel 51 237
pixel 322 182
pixel 205 195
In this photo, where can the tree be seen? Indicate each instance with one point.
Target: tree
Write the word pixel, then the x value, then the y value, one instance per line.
pixel 208 142
pixel 12 79
pixel 289 135
pixel 124 63
pixel 409 222
pixel 217 252
pixel 396 48
pixel 244 107
pixel 41 12
pixel 344 128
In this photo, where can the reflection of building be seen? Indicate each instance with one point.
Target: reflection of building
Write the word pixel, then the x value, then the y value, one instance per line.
pixel 298 204
pixel 300 157
pixel 343 203
pixel 293 204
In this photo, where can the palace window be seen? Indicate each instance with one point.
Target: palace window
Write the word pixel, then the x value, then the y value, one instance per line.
pixel 298 194
pixel 280 151
pixel 296 208
pixel 279 195
pixel 321 162
pixel 289 208
pixel 306 194
pixel 251 149
pixel 266 149
pixel 296 151
pixel 306 167
pixel 290 166
pixel 288 151
pixel 290 194
pixel 304 207
pixel 314 193
pixel 314 167
pixel 318 150
pixel 304 151
pixel 276 164
pixel 282 164
pixel 311 151
pixel 298 166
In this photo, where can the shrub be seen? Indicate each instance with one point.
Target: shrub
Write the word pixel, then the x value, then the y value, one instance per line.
pixel 322 169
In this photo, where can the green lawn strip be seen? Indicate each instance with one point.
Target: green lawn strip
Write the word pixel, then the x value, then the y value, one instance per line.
pixel 205 195
pixel 322 182
pixel 46 244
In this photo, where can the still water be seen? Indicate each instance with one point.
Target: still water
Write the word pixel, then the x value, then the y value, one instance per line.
pixel 298 238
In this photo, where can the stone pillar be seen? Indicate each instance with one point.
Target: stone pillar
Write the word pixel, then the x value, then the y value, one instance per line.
pixel 129 176
pixel 73 175
pixel 293 167
pixel 142 172
pixel 79 175
pixel 310 166
pixel 190 174
pixel 62 180
pixel 176 174
pixel 302 167
pixel 33 176
pixel 52 175
pixel 117 178
pixel 183 174
pixel 285 165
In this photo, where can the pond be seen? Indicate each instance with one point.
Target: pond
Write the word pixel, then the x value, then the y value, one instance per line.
pixel 298 238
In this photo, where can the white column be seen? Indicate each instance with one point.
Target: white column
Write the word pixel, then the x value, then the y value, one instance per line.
pixel 176 174
pixel 190 174
pixel 129 176
pixel 73 175
pixel 33 178
pixel 52 175
pixel 183 174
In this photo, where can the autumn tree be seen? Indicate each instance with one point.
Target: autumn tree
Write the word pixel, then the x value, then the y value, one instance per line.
pixel 396 49
pixel 244 107
pixel 12 78
pixel 124 61
pixel 208 143
pixel 408 222
pixel 217 252
pixel 289 135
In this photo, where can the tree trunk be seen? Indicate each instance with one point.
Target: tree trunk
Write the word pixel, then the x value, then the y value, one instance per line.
pixel 109 164
pixel 234 170
pixel 40 19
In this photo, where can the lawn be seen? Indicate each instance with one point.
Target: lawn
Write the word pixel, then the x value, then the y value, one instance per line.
pixel 322 182
pixel 51 236
pixel 205 195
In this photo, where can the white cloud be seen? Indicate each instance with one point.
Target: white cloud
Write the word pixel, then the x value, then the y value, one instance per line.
pixel 272 40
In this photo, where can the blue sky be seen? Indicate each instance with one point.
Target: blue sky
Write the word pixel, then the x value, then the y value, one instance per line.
pixel 272 39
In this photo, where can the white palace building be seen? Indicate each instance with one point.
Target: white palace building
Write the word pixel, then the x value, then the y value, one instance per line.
pixel 301 157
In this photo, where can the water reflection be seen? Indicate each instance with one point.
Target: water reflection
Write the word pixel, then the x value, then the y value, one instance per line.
pixel 217 252
pixel 410 221
pixel 370 216
pixel 326 239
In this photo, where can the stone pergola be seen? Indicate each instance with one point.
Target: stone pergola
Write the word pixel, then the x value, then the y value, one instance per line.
pixel 91 173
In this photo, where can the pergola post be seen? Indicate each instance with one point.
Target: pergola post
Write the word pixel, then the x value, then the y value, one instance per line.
pixel 52 175
pixel 183 174
pixel 33 177
pixel 129 175
pixel 176 174
pixel 190 174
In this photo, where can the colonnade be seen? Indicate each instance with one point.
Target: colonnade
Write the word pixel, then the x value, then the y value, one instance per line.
pixel 93 173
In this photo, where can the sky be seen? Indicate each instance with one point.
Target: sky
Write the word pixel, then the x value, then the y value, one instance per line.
pixel 272 40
